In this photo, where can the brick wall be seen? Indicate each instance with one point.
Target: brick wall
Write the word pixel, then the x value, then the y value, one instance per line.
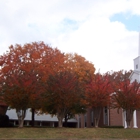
pixel 115 119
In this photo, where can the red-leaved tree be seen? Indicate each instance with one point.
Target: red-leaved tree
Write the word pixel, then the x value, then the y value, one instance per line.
pixel 126 95
pixel 23 72
pixel 63 93
pixel 98 94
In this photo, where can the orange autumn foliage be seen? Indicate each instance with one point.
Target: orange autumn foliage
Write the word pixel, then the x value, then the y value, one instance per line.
pixel 83 68
pixel 23 70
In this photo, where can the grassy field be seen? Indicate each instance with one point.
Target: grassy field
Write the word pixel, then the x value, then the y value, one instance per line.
pixel 69 133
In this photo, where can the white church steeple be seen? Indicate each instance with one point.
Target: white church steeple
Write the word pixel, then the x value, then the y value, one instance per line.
pixel 137 60
pixel 139 45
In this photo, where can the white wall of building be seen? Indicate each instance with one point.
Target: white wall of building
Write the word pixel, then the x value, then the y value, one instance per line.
pixel 44 117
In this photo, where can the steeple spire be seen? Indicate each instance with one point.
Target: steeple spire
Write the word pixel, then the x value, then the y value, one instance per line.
pixel 137 59
pixel 139 45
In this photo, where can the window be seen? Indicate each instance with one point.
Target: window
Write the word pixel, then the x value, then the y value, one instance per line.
pixel 106 115
pixel 137 66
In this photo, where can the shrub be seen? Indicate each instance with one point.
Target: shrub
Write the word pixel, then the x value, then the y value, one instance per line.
pixel 112 126
pixel 4 121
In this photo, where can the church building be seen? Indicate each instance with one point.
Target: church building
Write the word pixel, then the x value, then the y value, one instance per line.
pixel 110 117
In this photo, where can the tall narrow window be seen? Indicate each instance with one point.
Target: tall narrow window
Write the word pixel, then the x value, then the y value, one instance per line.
pixel 137 66
pixel 106 115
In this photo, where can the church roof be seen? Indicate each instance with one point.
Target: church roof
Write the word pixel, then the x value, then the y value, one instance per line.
pixel 134 72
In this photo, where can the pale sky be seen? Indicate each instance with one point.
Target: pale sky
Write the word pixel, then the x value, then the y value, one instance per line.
pixel 105 32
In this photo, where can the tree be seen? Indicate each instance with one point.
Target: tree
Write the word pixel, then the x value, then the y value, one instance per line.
pixel 82 67
pixel 23 71
pixel 97 94
pixel 16 91
pixel 117 76
pixel 126 95
pixel 63 92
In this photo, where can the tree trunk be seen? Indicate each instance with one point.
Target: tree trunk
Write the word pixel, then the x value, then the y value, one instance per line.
pixel 129 116
pixel 128 124
pixel 21 115
pixel 21 123
pixel 33 117
pixel 60 123
pixel 97 114
pixel 96 121
pixel 60 119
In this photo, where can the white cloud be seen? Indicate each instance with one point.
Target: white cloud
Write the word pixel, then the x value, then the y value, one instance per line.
pixel 105 43
pixel 73 26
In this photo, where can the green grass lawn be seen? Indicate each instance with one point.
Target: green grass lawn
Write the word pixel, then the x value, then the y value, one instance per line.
pixel 69 133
